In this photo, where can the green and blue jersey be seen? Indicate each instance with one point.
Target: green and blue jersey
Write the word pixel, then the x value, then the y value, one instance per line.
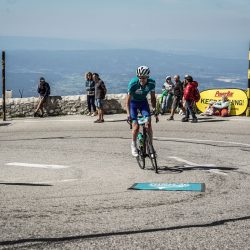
pixel 139 92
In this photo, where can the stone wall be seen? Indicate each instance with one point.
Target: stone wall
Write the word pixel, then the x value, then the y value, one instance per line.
pixel 61 105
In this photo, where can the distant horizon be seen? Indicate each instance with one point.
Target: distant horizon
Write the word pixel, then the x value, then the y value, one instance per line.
pixel 218 28
pixel 174 46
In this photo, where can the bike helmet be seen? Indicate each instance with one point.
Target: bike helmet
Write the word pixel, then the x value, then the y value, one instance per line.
pixel 42 79
pixel 143 71
pixel 168 78
pixel 188 78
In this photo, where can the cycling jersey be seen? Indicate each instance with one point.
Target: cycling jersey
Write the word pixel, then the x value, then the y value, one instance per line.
pixel 139 97
pixel 139 92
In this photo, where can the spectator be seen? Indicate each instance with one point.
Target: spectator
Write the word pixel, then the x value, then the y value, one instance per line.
pixel 185 82
pixel 209 111
pixel 222 107
pixel 100 92
pixel 90 91
pixel 167 89
pixel 189 99
pixel 44 92
pixel 178 94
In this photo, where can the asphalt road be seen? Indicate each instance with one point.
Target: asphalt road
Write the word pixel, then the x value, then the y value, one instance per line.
pixel 64 185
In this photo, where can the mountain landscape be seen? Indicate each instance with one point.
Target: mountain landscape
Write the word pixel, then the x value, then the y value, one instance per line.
pixel 64 69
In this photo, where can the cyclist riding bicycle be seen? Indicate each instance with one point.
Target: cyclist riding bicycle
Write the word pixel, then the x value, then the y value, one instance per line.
pixel 138 89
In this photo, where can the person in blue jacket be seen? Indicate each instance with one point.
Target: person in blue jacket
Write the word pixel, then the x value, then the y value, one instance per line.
pixel 90 91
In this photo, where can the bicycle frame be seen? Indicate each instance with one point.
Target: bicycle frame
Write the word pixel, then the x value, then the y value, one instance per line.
pixel 146 149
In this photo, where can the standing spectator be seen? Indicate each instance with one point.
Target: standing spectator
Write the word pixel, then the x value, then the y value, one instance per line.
pixel 167 98
pixel 185 82
pixel 90 91
pixel 100 92
pixel 44 91
pixel 189 98
pixel 178 94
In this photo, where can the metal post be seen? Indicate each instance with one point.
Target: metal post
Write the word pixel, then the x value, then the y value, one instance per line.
pixel 248 86
pixel 3 89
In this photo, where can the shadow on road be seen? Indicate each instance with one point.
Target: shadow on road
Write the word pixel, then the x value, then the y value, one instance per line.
pixel 110 234
pixel 211 119
pixel 215 120
pixel 121 120
pixel 69 137
pixel 24 184
pixel 5 124
pixel 180 169
pixel 207 143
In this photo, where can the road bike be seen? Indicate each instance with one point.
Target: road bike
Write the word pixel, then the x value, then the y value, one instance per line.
pixel 144 145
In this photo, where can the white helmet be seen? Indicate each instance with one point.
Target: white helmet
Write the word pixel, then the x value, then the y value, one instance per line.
pixel 143 71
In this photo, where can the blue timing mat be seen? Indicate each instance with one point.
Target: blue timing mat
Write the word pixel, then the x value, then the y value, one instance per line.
pixel 196 187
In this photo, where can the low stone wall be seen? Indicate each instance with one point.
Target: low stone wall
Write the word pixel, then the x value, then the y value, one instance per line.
pixel 61 105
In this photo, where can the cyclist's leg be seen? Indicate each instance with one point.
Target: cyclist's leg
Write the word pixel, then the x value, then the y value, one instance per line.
pixel 135 127
pixel 134 106
pixel 145 111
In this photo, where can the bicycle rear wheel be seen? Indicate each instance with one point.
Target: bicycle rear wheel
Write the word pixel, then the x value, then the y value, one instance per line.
pixel 141 157
pixel 151 154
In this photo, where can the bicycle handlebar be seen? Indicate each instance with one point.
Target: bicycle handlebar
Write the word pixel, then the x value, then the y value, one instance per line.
pixel 151 114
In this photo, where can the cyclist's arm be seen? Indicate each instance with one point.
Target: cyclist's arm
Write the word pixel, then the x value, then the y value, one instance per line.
pixel 153 103
pixel 153 99
pixel 128 104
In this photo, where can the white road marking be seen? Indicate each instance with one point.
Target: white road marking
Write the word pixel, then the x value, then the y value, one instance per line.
pixel 240 120
pixel 31 165
pixel 67 180
pixel 192 164
pixel 49 182
pixel 198 140
pixel 217 171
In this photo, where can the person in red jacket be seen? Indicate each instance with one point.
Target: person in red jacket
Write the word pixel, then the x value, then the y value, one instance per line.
pixel 189 99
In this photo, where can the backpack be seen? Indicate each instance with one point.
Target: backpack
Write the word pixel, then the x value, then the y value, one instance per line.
pixel 104 91
pixel 48 89
pixel 196 95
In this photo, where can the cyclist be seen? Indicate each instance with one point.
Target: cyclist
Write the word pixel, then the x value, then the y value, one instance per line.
pixel 138 89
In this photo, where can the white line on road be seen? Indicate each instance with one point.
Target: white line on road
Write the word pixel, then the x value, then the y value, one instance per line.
pixel 198 140
pixel 217 171
pixel 31 165
pixel 239 120
pixel 58 181
pixel 192 164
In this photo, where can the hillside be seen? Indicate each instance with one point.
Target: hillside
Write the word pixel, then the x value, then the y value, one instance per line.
pixel 64 69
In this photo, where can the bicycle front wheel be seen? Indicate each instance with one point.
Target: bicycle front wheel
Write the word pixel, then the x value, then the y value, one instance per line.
pixel 141 157
pixel 152 154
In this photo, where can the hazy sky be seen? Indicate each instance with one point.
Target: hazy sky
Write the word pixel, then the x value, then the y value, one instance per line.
pixel 126 21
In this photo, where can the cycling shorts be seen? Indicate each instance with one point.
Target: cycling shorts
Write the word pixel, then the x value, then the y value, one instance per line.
pixel 99 103
pixel 141 106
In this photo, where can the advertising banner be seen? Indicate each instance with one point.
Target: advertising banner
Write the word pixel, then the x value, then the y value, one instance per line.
pixel 237 98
